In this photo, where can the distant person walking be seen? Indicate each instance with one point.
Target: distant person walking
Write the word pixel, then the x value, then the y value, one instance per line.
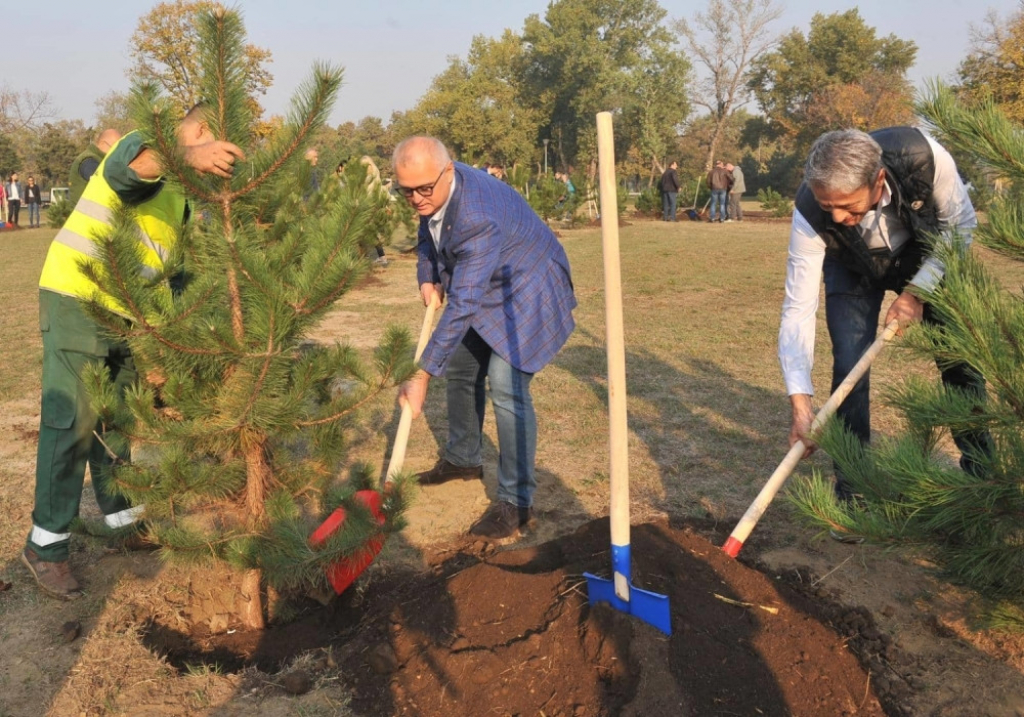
pixel 669 192
pixel 739 185
pixel 719 181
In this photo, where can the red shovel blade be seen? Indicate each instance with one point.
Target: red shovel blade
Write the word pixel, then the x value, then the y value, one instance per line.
pixel 344 572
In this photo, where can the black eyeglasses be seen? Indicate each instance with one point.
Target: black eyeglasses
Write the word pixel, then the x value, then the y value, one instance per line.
pixel 425 190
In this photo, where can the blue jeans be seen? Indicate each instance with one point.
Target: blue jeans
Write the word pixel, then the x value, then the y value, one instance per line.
pixel 472 363
pixel 668 206
pixel 719 201
pixel 852 306
pixel 33 214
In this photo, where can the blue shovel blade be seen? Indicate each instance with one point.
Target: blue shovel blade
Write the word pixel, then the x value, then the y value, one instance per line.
pixel 650 607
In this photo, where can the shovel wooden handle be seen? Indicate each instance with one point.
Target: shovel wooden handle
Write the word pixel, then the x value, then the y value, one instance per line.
pixel 405 421
pixel 764 498
pixel 618 428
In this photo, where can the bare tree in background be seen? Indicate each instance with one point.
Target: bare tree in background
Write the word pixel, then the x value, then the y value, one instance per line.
pixel 24 110
pixel 725 39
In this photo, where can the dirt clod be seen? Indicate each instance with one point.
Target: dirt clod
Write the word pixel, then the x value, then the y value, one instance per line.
pixel 297 682
pixel 70 630
pixel 382 659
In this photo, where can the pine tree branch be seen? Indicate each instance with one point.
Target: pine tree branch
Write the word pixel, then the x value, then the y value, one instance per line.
pixel 124 293
pixel 307 128
pixel 300 308
pixel 341 414
pixel 999 379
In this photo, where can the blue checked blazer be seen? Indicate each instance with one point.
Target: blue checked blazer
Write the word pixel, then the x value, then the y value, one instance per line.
pixel 504 274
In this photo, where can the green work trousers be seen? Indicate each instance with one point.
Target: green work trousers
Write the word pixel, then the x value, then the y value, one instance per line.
pixel 66 442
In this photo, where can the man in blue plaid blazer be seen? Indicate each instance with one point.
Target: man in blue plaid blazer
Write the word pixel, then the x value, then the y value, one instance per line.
pixel 510 302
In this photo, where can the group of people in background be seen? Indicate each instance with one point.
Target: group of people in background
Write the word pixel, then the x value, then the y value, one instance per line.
pixel 727 186
pixel 14 194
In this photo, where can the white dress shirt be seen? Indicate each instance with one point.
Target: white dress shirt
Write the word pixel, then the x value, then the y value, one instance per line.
pixel 437 218
pixel 880 227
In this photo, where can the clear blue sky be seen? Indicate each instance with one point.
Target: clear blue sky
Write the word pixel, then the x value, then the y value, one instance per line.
pixel 391 49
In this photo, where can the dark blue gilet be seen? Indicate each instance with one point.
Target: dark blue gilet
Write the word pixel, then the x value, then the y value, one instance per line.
pixel 910 173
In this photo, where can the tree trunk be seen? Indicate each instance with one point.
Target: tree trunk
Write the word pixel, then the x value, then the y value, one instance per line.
pixel 257 471
pixel 252 613
pixel 257 482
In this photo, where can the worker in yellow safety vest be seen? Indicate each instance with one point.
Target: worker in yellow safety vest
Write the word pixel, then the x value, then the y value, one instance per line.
pixel 70 434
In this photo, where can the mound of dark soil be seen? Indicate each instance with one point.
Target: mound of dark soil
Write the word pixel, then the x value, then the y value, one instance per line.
pixel 510 632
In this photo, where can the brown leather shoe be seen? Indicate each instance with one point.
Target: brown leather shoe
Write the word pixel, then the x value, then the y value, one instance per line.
pixel 444 471
pixel 55 579
pixel 501 520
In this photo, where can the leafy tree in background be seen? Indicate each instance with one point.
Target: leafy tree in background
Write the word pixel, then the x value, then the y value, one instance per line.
pixel 588 56
pixel 10 157
pixel 659 106
pixel 113 111
pixel 54 149
pixel 994 68
pixel 840 75
pixel 725 40
pixel 914 496
pixel 241 418
pixel 163 50
pixel 993 71
pixel 476 106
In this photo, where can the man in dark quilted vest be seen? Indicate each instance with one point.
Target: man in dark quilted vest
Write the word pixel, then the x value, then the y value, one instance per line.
pixel 863 212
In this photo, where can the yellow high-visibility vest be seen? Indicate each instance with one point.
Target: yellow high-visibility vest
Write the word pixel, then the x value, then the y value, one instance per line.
pixel 158 220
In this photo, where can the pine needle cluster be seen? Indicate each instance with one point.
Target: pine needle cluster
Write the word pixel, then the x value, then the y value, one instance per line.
pixel 914 494
pixel 238 423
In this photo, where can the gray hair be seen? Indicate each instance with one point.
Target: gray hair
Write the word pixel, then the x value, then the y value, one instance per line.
pixel 420 145
pixel 843 161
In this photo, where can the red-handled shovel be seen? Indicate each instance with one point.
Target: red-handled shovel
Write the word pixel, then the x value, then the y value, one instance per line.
pixel 344 572
pixel 764 498
pixel 619 592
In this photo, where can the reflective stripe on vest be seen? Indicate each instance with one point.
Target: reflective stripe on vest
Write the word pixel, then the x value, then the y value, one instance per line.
pixel 86 245
pixel 157 221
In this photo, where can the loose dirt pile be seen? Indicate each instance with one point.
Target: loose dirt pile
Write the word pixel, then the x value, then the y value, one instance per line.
pixel 511 632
